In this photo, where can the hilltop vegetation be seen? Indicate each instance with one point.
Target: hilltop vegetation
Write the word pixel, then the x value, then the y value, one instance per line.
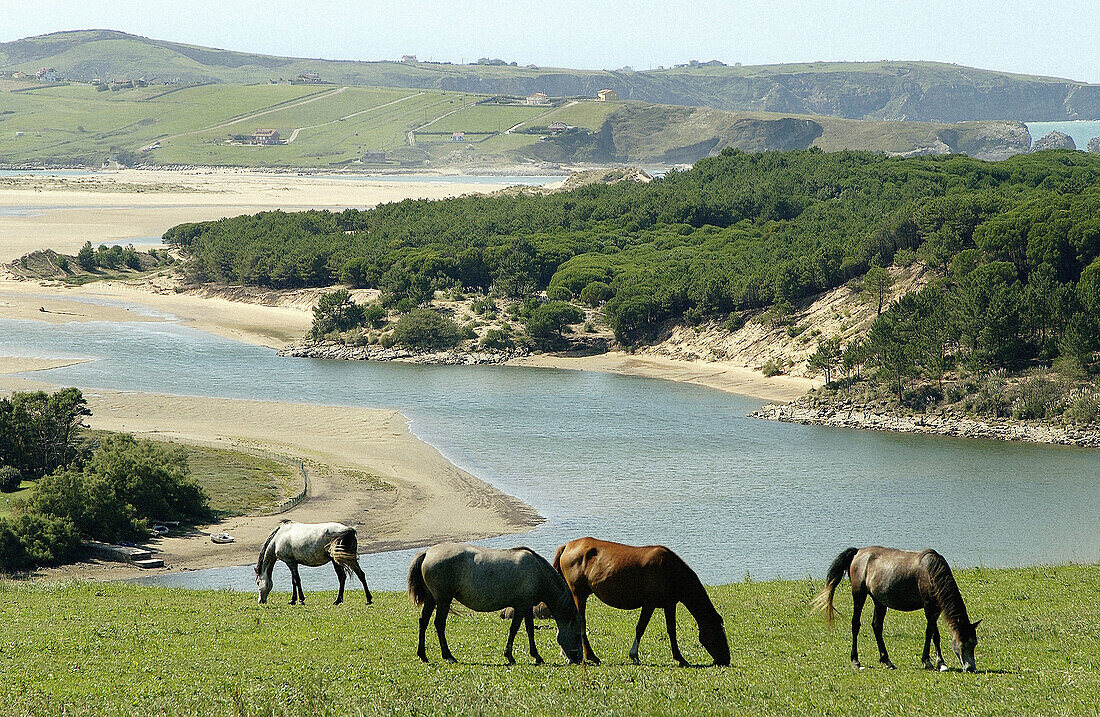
pixel 923 91
pixel 171 651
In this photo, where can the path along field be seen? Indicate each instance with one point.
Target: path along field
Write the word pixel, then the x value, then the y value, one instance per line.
pixel 119 649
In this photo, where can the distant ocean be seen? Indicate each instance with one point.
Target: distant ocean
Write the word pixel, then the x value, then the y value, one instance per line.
pixel 1081 130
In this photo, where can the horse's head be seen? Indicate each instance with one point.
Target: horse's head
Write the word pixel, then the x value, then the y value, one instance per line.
pixel 569 639
pixel 963 643
pixel 712 636
pixel 263 581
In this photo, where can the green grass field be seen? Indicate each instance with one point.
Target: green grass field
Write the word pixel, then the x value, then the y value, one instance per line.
pixel 74 648
pixel 241 483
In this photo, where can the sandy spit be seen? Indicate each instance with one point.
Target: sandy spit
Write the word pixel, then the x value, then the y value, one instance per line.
pixel 425 498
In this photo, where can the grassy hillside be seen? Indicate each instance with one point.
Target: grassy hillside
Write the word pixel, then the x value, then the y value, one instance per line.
pixel 333 126
pixel 113 648
pixel 924 91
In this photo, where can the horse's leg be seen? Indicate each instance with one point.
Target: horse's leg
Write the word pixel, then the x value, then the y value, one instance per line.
pixel 529 621
pixel 425 616
pixel 582 603
pixel 341 575
pixel 931 616
pixel 858 599
pixel 932 620
pixel 643 623
pixel 362 578
pixel 517 618
pixel 295 583
pixel 876 623
pixel 670 625
pixel 441 628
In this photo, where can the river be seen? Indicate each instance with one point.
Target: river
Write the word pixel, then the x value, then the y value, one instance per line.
pixel 634 459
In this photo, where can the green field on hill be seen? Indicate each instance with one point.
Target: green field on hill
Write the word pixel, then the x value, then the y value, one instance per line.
pixel 78 648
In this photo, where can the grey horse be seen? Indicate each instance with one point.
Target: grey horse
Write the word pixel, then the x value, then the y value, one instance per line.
pixel 311 544
pixel 486 580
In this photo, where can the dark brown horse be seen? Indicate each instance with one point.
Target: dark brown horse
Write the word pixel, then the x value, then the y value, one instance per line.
pixel 650 577
pixel 903 580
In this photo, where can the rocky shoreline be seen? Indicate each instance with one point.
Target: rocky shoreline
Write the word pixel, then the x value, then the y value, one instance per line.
pixel 946 424
pixel 335 350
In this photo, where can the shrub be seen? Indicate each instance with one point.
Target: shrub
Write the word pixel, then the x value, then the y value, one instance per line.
pixel 86 256
pixel 496 340
pixel 10 478
pixel 553 318
pixel 425 329
pixel 559 293
pixel 772 368
pixel 374 315
pixel 595 293
pixel 336 311
pixel 13 556
pixel 734 322
pixel 48 540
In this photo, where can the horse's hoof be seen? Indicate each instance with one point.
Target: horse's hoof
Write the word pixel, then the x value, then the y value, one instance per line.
pixel 451 660
pixel 423 658
pixel 889 665
pixel 684 663
pixel 337 602
pixel 369 601
pixel 538 660
pixel 595 660
pixel 856 665
pixel 944 668
pixel 928 665
pixel 635 660
pixel 509 659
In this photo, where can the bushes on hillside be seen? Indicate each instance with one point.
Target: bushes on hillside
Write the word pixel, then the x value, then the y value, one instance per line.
pixel 425 329
pixel 551 319
pixel 38 431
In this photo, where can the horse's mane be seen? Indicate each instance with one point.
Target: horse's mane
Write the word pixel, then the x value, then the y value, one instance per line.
pixel 263 550
pixel 946 593
pixel 567 596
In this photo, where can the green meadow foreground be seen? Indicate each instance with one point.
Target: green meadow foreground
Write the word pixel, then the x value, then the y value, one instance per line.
pixel 76 648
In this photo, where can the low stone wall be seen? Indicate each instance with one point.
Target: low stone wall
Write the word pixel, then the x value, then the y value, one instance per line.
pixel 334 350
pixel 938 424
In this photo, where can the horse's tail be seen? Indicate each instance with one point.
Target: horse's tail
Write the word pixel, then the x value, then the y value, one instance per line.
pixel 344 548
pixel 417 589
pixel 824 600
pixel 557 560
pixel 263 550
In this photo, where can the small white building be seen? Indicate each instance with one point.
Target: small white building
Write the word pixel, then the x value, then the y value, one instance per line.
pixel 538 98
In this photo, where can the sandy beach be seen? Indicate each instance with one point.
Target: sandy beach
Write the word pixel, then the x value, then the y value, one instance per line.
pixel 424 499
pixel 133 205
pixel 712 374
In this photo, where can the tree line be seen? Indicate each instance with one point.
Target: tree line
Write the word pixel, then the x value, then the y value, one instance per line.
pixel 107 489
pixel 1013 244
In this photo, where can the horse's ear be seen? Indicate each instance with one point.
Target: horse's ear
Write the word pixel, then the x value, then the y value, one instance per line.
pixel 975 625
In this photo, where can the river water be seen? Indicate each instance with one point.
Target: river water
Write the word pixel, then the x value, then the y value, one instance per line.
pixel 636 460
pixel 1081 130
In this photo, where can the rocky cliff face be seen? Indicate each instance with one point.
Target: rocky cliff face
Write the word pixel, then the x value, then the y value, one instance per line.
pixel 1054 140
pixel 1094 144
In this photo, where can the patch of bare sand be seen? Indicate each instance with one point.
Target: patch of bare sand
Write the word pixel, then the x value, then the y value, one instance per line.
pixel 712 374
pixel 429 498
pixel 264 325
pixel 132 205
pixel 24 364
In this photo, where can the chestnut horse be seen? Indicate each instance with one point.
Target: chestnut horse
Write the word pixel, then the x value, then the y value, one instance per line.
pixel 903 580
pixel 650 577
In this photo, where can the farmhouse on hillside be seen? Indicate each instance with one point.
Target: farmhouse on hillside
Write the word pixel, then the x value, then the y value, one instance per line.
pixel 458 136
pixel 607 95
pixel 539 98
pixel 265 136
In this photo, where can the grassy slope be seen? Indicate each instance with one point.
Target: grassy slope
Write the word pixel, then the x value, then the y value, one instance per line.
pixel 77 124
pixel 113 648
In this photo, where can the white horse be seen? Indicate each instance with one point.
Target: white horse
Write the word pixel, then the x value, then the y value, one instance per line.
pixel 486 580
pixel 311 544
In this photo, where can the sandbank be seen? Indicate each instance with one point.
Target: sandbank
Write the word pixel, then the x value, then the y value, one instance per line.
pixel 425 498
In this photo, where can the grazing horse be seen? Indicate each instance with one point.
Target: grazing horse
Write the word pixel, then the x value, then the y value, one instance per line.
pixel 486 580
pixel 903 580
pixel 650 577
pixel 311 544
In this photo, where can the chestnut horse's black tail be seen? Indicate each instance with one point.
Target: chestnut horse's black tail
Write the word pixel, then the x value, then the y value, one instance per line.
pixel 824 600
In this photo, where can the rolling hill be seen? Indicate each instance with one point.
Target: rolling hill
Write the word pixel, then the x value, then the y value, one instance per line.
pixel 375 128
pixel 916 91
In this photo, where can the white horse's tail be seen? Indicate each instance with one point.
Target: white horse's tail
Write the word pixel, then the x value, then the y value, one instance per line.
pixel 344 548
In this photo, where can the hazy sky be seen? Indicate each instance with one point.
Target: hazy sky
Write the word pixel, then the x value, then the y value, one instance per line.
pixel 1050 38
